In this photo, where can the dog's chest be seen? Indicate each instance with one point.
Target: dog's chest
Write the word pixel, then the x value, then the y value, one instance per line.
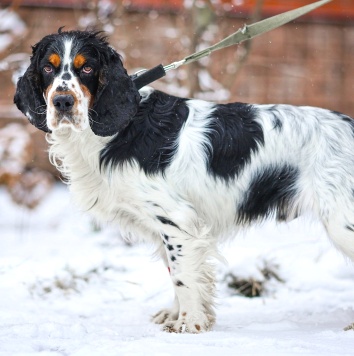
pixel 125 195
pixel 108 194
pixel 116 195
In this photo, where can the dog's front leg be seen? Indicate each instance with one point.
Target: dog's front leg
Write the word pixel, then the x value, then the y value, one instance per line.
pixel 193 279
pixel 167 314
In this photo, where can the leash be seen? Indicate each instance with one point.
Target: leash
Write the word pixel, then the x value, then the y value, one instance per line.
pixel 144 77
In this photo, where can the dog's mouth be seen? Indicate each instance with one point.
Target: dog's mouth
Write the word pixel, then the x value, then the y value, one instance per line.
pixel 65 120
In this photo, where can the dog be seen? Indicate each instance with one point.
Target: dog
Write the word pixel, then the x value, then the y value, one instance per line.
pixel 184 173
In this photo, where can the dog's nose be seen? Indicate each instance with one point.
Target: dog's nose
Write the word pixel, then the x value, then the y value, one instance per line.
pixel 63 102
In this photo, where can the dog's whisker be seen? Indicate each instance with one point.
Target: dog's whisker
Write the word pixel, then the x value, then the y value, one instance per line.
pixel 91 119
pixel 38 112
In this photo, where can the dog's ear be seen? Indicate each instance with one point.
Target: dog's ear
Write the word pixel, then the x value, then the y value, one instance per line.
pixel 117 99
pixel 29 95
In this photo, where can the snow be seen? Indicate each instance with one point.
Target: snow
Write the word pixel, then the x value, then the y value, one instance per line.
pixel 211 89
pixel 15 143
pixel 68 289
pixel 11 26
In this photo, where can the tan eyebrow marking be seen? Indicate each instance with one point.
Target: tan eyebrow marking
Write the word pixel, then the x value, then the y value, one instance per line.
pixel 79 61
pixel 54 59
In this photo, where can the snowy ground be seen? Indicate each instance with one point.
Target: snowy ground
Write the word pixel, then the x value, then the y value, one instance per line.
pixel 68 290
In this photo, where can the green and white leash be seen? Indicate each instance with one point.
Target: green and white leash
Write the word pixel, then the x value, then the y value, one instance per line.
pixel 145 77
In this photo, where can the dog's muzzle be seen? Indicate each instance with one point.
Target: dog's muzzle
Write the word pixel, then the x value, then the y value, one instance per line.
pixel 67 108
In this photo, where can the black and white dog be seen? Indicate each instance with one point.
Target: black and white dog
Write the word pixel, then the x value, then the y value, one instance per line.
pixel 184 173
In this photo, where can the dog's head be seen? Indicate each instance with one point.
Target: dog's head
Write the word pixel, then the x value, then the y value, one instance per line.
pixel 76 79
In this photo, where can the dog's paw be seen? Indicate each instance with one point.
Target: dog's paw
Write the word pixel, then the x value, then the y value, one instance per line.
pixel 165 315
pixel 192 325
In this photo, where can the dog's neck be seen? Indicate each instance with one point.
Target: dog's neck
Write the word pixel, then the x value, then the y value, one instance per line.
pixel 75 152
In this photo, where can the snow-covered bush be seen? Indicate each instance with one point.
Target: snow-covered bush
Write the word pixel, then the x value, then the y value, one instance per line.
pixel 26 184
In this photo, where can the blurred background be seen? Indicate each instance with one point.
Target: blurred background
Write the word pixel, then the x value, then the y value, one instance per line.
pixel 307 62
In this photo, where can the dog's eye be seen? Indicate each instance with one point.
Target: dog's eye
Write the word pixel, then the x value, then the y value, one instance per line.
pixel 87 69
pixel 48 69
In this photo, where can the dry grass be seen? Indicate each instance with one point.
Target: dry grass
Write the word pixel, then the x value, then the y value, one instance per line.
pixel 251 287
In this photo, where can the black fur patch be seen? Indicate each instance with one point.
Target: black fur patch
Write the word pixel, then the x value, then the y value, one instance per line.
pixel 166 221
pixel 150 137
pixel 62 88
pixel 273 110
pixel 278 125
pixel 270 193
pixel 66 76
pixel 350 227
pixel 234 135
pixel 346 118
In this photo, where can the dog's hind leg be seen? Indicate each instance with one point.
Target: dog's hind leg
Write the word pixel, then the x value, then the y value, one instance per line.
pixel 340 228
pixel 343 238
